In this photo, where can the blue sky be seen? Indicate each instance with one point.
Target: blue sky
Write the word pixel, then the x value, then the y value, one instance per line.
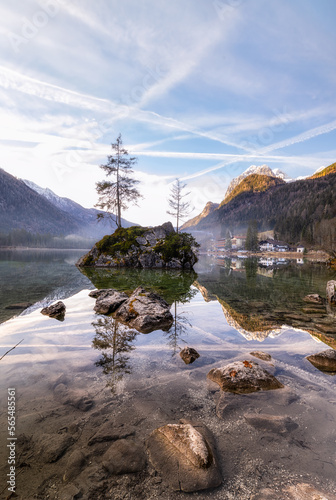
pixel 199 89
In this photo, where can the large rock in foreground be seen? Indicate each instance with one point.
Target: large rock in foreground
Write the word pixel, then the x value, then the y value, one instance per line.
pixel 184 454
pixel 324 361
pixel 145 311
pixel 242 377
pixel 143 247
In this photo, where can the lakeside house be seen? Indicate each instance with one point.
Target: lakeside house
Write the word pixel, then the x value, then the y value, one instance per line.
pixel 300 248
pixel 270 245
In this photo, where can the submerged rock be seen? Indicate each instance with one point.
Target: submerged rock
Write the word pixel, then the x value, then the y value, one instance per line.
pixel 145 311
pixel 243 377
pixel 19 305
pixel 324 361
pixel 51 447
pixel 109 300
pixel 74 465
pixel 314 298
pixel 261 355
pixel 125 456
pixel 56 311
pixel 184 454
pixel 331 291
pixel 271 423
pixel 109 432
pixel 189 355
pixel 304 491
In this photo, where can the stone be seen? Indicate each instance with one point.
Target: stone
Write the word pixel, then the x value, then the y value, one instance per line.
pixel 125 456
pixel 81 402
pixel 19 305
pixel 70 492
pixel 184 454
pixel 99 292
pixel 189 355
pixel 271 423
pixel 56 311
pixel 243 377
pixel 304 491
pixel 109 432
pixel 109 300
pixel 331 292
pixel 51 447
pixel 145 311
pixel 324 361
pixel 261 355
pixel 74 465
pixel 314 298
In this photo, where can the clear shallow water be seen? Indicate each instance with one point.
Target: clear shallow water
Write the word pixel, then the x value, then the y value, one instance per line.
pixel 140 382
pixel 35 275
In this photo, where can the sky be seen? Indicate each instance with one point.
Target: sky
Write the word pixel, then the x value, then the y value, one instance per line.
pixel 199 90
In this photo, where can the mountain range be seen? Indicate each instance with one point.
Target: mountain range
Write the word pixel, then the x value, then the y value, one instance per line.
pixel 25 205
pixel 297 210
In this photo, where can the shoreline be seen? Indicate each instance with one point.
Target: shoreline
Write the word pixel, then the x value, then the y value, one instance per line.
pixel 315 256
pixel 44 248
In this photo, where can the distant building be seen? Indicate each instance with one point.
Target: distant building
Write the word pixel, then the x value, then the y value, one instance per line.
pixel 270 245
pixel 238 241
pixel 300 248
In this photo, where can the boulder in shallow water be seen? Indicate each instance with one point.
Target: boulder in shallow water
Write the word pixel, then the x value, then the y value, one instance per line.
pixel 261 355
pixel 331 292
pixel 324 361
pixel 56 311
pixel 145 311
pixel 184 454
pixel 109 300
pixel 242 377
pixel 189 355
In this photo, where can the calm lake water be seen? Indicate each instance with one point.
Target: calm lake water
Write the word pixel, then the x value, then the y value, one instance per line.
pixel 75 379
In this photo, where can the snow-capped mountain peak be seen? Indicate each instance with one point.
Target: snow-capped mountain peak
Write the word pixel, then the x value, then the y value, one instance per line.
pixel 260 170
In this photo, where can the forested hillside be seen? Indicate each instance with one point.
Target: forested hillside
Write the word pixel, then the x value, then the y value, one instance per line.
pixel 23 208
pixel 301 211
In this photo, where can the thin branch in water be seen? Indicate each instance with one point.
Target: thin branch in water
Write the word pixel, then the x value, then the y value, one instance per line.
pixel 11 349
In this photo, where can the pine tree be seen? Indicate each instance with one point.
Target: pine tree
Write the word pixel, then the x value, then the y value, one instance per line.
pixel 228 240
pixel 252 236
pixel 179 208
pixel 115 196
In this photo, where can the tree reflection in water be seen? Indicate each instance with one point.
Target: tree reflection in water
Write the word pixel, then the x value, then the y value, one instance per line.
pixel 115 341
pixel 178 328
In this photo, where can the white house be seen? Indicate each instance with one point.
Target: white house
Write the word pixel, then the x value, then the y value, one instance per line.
pixel 273 246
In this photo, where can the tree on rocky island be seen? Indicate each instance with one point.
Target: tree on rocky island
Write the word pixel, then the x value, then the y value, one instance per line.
pixel 178 208
pixel 116 195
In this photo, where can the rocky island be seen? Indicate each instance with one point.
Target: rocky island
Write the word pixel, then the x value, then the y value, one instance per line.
pixel 143 247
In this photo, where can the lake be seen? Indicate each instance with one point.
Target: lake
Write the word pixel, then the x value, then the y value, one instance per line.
pixel 88 382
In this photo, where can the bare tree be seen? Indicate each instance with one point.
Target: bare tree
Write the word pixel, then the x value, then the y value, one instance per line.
pixel 178 208
pixel 115 196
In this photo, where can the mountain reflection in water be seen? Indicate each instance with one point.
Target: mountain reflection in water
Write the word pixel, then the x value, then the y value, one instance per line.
pixel 259 304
